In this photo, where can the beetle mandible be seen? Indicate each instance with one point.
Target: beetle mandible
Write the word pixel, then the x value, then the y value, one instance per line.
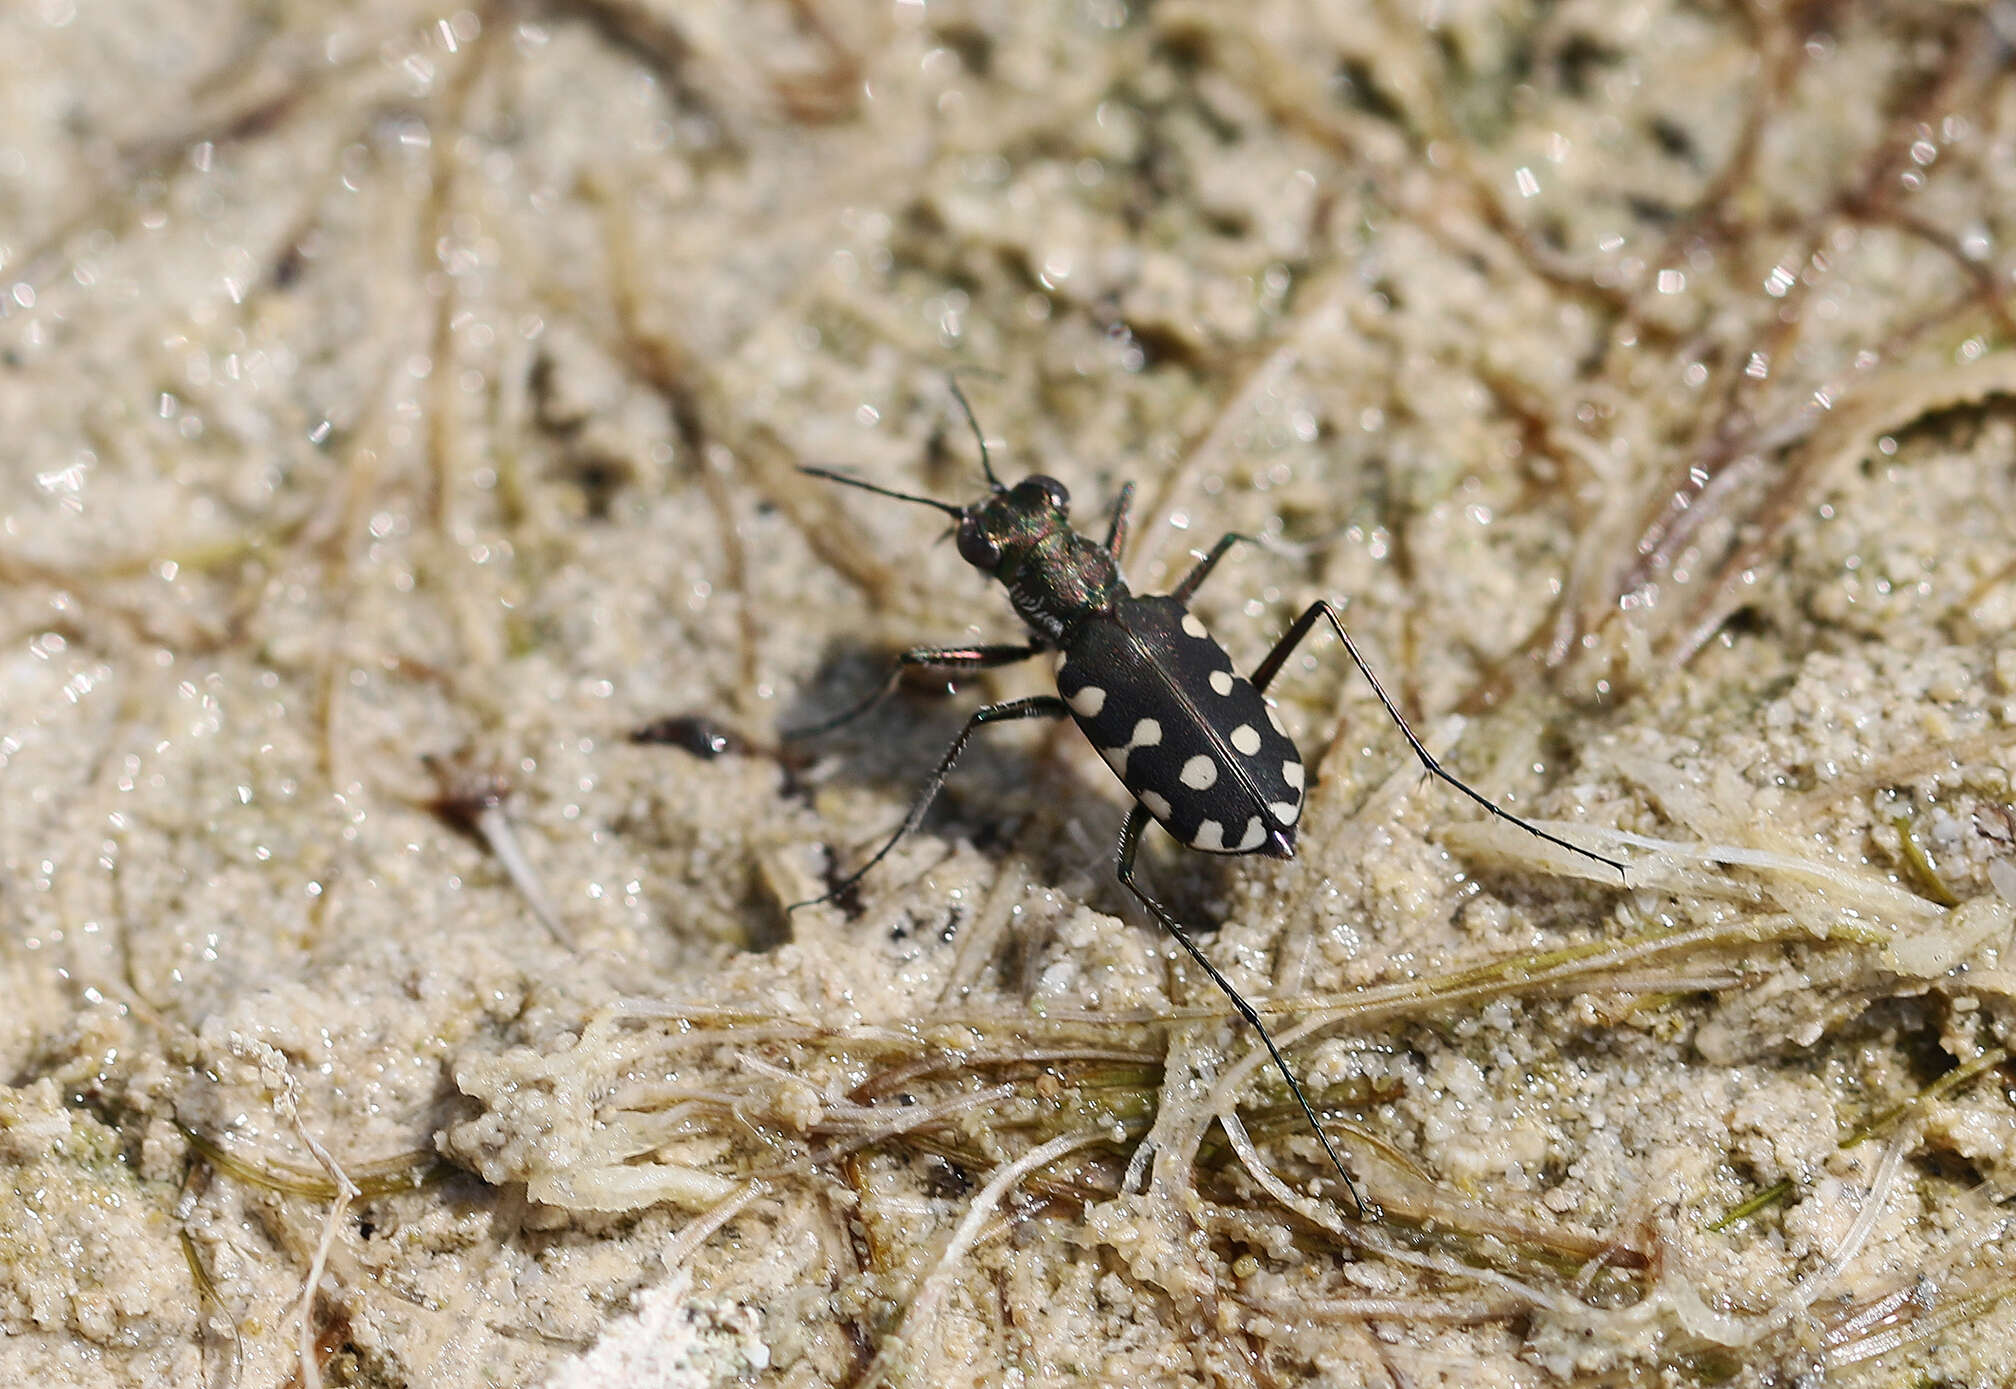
pixel 1195 743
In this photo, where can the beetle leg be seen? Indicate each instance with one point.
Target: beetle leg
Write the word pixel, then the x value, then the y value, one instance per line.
pixel 926 658
pixel 1130 841
pixel 1294 636
pixel 1116 529
pixel 1201 571
pixel 1034 707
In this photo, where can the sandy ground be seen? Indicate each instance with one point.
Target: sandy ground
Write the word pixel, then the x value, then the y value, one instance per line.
pixel 402 408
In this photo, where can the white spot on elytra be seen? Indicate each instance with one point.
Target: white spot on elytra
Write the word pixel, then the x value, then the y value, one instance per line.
pixel 1275 719
pixel 1155 805
pixel 1087 703
pixel 1221 681
pixel 1147 733
pixel 1256 834
pixel 1195 628
pixel 1286 811
pixel 1200 773
pixel 1246 740
pixel 1210 837
pixel 1291 772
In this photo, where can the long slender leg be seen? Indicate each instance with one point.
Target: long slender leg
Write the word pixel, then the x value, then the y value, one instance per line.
pixel 1293 637
pixel 1201 571
pixel 1130 841
pixel 1116 529
pixel 925 657
pixel 1035 707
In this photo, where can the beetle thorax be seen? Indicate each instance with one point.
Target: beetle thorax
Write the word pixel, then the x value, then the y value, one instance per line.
pixel 1060 581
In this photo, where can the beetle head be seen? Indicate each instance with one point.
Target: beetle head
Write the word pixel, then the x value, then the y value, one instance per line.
pixel 1007 522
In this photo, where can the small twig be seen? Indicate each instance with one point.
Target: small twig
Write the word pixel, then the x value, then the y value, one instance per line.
pixel 474 798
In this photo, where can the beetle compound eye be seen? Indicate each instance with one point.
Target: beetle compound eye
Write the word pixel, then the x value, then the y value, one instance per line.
pixel 976 547
pixel 1049 489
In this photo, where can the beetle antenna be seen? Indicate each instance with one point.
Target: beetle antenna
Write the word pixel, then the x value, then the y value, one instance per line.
pixel 833 476
pixel 986 464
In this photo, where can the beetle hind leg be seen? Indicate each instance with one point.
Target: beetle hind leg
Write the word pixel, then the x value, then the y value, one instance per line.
pixel 1130 843
pixel 1294 637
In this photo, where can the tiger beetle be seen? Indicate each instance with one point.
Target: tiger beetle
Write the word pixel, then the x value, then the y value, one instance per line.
pixel 1196 744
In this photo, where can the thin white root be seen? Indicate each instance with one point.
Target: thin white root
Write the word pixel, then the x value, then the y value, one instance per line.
pixel 274 1072
pixel 698 1230
pixel 1249 1157
pixel 930 1292
pixel 1738 1332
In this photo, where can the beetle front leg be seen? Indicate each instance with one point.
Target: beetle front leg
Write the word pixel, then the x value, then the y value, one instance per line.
pixel 1116 529
pixel 1201 571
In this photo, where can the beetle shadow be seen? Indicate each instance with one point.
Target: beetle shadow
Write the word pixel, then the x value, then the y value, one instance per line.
pixel 895 745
